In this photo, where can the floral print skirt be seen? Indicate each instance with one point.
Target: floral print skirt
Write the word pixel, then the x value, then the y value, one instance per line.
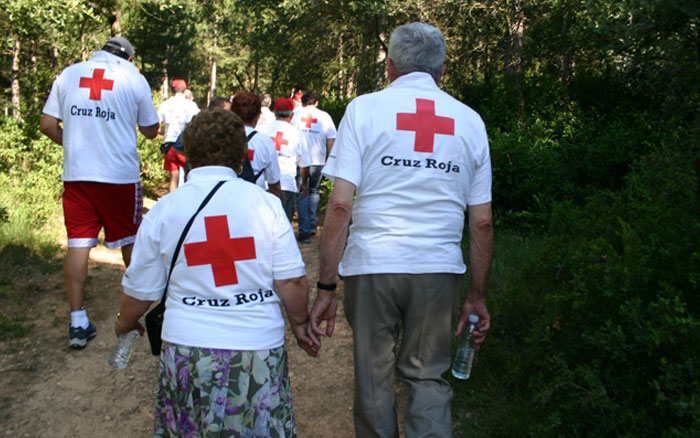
pixel 207 393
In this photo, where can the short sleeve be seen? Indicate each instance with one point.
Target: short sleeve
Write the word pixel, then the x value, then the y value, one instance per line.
pixel 480 189
pixel 286 257
pixel 52 107
pixel 147 274
pixel 345 159
pixel 147 111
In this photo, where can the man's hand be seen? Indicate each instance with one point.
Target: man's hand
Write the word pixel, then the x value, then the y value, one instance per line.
pixel 303 189
pixel 482 327
pixel 324 309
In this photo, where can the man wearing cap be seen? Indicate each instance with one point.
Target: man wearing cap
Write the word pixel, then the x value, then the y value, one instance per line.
pixel 174 114
pixel 99 103
pixel 407 162
pixel 318 130
pixel 291 153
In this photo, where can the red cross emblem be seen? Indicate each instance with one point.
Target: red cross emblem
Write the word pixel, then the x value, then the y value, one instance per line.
pixel 251 154
pixel 309 120
pixel 97 83
pixel 425 124
pixel 220 251
pixel 279 140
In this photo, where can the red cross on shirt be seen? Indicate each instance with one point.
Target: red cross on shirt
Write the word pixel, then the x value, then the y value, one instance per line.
pixel 220 251
pixel 251 154
pixel 425 124
pixel 97 83
pixel 279 140
pixel 309 120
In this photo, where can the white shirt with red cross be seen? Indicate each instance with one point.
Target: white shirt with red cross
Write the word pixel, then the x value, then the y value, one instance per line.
pixel 221 292
pixel 316 126
pixel 100 102
pixel 418 157
pixel 176 112
pixel 263 158
pixel 291 151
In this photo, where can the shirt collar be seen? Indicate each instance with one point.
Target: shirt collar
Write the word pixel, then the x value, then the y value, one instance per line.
pixel 211 173
pixel 416 79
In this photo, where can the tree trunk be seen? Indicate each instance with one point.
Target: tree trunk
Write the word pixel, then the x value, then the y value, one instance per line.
pixel 212 80
pixel 514 56
pixel 15 80
pixel 115 21
pixel 566 60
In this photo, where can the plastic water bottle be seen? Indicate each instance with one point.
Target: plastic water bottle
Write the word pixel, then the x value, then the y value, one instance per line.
pixel 462 365
pixel 122 350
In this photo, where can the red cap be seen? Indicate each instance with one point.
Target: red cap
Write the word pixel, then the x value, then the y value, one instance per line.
pixel 283 105
pixel 178 83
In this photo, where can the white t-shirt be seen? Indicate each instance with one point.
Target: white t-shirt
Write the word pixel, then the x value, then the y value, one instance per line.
pixel 100 102
pixel 263 158
pixel 290 151
pixel 221 292
pixel 176 112
pixel 316 126
pixel 415 176
pixel 266 116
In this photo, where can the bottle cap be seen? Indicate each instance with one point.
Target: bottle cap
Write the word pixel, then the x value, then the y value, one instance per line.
pixel 473 319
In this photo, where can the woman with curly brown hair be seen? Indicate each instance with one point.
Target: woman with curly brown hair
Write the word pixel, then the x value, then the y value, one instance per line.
pixel 223 364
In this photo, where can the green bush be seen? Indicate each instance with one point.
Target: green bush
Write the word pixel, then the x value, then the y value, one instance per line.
pixel 600 336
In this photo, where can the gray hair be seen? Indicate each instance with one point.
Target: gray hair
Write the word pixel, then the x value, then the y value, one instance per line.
pixel 417 47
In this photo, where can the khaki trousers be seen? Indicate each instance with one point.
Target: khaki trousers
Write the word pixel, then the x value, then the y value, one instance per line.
pixel 425 304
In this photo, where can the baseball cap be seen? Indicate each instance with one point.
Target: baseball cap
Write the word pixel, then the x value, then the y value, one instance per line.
pixel 178 83
pixel 121 44
pixel 283 105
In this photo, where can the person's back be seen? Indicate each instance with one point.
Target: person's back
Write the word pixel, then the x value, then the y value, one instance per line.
pixel 418 174
pixel 99 121
pixel 289 150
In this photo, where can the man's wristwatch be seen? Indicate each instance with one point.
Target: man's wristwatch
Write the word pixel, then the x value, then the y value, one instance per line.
pixel 323 286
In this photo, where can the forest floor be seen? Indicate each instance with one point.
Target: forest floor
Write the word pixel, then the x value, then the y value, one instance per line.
pixel 50 390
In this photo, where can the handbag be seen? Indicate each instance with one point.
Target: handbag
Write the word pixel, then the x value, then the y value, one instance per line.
pixel 154 318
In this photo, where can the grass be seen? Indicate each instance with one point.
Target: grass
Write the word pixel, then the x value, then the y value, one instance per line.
pixel 483 405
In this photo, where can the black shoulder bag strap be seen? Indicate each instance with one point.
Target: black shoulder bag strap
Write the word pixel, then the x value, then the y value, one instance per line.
pixel 184 234
pixel 255 177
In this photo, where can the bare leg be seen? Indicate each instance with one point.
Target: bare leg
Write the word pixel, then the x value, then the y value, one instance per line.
pixel 75 269
pixel 126 254
pixel 174 179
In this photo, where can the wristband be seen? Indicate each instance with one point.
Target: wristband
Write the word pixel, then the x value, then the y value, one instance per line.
pixel 322 286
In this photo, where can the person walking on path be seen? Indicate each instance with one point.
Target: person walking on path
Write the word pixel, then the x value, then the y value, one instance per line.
pixel 223 365
pixel 318 130
pixel 174 114
pixel 291 154
pixel 261 150
pixel 99 102
pixel 416 159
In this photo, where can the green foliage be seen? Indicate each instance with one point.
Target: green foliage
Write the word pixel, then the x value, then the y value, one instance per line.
pixel 600 335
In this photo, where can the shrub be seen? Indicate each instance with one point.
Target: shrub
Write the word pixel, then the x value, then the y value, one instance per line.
pixel 601 334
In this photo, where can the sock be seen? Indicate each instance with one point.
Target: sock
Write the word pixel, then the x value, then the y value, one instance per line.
pixel 79 318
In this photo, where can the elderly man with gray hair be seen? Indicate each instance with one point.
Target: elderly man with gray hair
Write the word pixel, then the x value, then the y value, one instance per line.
pixel 408 162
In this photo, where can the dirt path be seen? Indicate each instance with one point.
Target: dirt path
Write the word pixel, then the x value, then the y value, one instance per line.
pixel 49 390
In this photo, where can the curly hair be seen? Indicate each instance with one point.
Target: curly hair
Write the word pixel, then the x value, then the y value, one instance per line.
pixel 215 138
pixel 246 105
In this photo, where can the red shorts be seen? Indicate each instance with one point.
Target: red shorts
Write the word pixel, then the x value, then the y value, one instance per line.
pixel 89 206
pixel 173 160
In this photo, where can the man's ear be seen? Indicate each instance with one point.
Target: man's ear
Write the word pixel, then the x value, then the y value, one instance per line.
pixel 391 70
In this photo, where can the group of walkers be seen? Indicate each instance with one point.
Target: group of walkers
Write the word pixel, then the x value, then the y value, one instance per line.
pixel 407 164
